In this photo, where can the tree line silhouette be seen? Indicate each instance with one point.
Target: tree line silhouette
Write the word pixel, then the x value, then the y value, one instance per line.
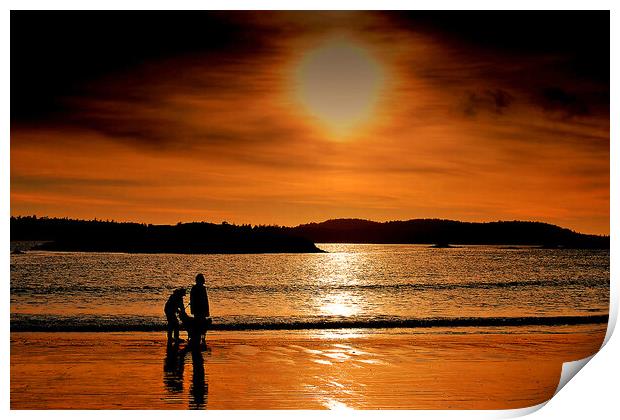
pixel 182 238
pixel 64 234
pixel 438 231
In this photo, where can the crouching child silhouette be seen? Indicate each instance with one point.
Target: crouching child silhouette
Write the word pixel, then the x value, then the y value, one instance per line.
pixel 174 306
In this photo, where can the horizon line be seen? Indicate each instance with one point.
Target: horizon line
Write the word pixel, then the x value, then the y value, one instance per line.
pixel 306 223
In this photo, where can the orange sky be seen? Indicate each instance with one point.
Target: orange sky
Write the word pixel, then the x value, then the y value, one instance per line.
pixel 450 128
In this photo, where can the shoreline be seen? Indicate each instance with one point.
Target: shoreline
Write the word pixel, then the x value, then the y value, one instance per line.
pixel 489 368
pixel 42 325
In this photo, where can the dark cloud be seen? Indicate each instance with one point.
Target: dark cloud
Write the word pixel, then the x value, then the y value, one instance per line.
pixel 57 54
pixel 567 104
pixel 65 64
pixel 523 53
pixel 495 101
pixel 166 131
pixel 579 40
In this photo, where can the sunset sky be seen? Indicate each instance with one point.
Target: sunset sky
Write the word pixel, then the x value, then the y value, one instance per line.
pixel 291 117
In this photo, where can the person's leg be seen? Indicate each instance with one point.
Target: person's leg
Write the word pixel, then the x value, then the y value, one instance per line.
pixel 194 333
pixel 170 328
pixel 208 322
pixel 173 327
pixel 203 329
pixel 186 322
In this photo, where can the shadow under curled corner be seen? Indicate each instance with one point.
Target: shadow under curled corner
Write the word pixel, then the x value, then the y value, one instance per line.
pixel 571 368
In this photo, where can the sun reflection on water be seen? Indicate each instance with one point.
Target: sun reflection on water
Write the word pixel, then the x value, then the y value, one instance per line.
pixel 340 303
pixel 338 308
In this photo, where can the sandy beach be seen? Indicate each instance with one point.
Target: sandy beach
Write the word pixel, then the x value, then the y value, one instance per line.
pixel 489 368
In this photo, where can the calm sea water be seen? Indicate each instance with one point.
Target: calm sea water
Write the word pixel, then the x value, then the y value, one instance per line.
pixel 351 282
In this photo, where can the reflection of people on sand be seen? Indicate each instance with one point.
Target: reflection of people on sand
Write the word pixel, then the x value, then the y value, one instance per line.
pixel 199 303
pixel 199 388
pixel 174 367
pixel 174 306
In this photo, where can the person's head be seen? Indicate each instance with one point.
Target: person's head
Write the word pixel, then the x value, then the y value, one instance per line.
pixel 200 279
pixel 180 292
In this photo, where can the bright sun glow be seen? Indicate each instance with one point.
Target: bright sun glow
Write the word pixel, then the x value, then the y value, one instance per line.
pixel 339 83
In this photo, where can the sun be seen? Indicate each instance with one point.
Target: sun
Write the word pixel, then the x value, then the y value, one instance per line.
pixel 339 83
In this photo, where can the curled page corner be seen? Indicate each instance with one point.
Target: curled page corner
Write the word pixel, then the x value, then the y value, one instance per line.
pixel 570 369
pixel 613 317
pixel 520 412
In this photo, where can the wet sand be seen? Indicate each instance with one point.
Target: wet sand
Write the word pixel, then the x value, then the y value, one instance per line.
pixel 488 368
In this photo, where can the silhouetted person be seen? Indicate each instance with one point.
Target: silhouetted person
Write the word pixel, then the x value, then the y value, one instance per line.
pixel 199 303
pixel 174 306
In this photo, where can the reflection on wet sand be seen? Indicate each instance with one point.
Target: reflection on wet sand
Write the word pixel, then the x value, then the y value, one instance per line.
pixel 174 367
pixel 199 388
pixel 492 368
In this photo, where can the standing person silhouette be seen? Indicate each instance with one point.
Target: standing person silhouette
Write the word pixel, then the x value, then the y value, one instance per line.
pixel 199 304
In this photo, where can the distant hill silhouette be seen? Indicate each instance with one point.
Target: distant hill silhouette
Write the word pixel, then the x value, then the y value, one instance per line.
pixel 444 232
pixel 207 238
pixel 183 238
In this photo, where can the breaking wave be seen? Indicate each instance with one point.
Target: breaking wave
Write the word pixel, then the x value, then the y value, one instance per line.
pixel 34 323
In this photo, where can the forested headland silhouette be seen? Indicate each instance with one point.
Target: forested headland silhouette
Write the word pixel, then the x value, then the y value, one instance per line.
pixel 63 234
pixel 443 232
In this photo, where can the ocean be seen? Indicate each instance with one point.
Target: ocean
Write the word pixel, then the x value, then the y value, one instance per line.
pixel 350 286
